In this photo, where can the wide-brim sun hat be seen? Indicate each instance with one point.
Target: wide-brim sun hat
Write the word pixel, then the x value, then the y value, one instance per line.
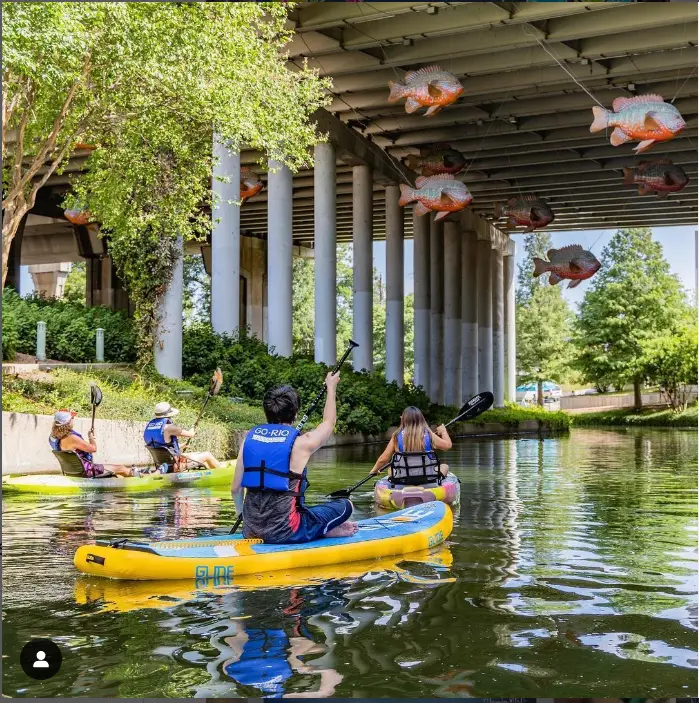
pixel 164 409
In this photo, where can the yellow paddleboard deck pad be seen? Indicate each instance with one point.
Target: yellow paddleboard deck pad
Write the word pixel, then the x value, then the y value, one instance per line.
pixel 223 557
pixel 57 483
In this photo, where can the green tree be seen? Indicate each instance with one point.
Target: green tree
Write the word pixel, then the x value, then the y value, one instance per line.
pixel 303 306
pixel 633 299
pixel 196 300
pixel 544 329
pixel 409 330
pixel 535 244
pixel 671 362
pixel 74 289
pixel 146 84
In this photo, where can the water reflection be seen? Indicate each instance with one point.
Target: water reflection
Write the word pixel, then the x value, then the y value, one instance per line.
pixel 571 571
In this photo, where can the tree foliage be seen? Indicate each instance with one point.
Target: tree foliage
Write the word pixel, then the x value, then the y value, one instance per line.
pixel 544 330
pixel 147 84
pixel 633 299
pixel 76 281
pixel 535 244
pixel 671 362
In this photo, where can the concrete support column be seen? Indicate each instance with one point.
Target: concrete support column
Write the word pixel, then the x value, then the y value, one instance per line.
pixel 437 312
pixel 279 258
pixel 50 279
pixel 421 310
pixel 93 276
pixel 485 316
pixel 469 316
pixel 498 329
pixel 395 323
pixel 362 279
pixel 510 331
pixel 225 240
pixel 168 338
pixel 325 246
pixel 452 313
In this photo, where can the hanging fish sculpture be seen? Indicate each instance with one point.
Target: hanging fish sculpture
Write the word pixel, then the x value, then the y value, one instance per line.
pixel 661 177
pixel 572 262
pixel 525 211
pixel 442 194
pixel 429 87
pixel 441 158
pixel 78 215
pixel 250 184
pixel 646 118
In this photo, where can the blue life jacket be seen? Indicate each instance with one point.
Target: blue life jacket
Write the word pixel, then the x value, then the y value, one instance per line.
pixel 85 457
pixel 267 458
pixel 263 662
pixel 427 443
pixel 154 435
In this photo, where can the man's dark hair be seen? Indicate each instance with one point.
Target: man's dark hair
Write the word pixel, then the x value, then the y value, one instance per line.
pixel 281 405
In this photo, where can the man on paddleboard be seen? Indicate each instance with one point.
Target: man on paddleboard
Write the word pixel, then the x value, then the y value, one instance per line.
pixel 271 467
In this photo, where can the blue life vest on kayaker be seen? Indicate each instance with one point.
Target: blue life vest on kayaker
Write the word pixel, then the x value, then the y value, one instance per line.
pixel 267 459
pixel 415 468
pixel 85 457
pixel 154 435
pixel 427 443
pixel 263 662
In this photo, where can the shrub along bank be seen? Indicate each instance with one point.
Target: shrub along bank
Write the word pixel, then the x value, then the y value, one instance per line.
pixel 70 329
pixel 631 418
pixel 367 404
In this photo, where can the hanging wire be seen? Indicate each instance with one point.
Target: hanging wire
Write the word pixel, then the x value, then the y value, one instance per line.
pixel 679 90
pixel 558 60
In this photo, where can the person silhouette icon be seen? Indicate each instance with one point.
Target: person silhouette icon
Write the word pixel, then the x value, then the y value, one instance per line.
pixel 40 662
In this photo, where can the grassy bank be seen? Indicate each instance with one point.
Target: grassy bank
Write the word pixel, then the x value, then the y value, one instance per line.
pixel 130 396
pixel 512 415
pixel 630 418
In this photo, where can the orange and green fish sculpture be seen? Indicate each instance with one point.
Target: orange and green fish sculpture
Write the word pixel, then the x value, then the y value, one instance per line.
pixel 572 263
pixel 661 177
pixel 645 118
pixel 429 87
pixel 442 194
pixel 527 211
pixel 250 184
pixel 441 158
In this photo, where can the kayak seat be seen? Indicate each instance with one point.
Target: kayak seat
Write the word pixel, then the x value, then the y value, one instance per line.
pixel 414 469
pixel 71 465
pixel 162 455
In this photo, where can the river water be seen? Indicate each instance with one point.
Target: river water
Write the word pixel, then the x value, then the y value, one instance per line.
pixel 571 572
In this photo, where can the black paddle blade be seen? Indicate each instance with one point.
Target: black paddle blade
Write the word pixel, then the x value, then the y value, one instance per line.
pixel 342 493
pixel 216 381
pixel 474 407
pixel 95 394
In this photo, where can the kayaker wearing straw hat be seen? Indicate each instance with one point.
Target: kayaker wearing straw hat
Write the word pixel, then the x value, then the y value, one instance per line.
pixel 161 431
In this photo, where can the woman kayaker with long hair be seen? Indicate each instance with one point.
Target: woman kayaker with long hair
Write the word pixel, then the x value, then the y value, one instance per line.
pixel 413 436
pixel 64 438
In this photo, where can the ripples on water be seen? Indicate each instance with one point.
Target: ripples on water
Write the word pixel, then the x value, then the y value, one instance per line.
pixel 571 571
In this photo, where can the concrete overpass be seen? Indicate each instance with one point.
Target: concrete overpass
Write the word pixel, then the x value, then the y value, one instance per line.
pixel 531 72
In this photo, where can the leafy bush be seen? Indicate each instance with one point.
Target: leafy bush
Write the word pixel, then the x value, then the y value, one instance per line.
pixel 366 403
pixel 631 418
pixel 70 329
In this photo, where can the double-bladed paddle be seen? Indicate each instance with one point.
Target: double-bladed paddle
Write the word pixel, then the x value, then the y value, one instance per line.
pixel 470 409
pixel 352 345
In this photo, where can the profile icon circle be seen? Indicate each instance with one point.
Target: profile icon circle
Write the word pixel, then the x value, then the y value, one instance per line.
pixel 40 659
